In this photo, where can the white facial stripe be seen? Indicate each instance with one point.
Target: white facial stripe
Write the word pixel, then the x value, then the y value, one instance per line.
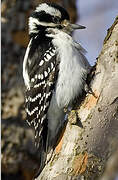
pixel 48 9
pixel 47 24
pixel 33 22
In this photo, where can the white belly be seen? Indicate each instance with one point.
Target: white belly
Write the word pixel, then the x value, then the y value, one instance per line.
pixel 73 69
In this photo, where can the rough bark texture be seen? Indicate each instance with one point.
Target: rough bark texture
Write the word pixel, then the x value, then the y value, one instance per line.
pixel 84 149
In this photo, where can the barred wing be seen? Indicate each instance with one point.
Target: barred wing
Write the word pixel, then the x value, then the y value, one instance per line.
pixel 42 72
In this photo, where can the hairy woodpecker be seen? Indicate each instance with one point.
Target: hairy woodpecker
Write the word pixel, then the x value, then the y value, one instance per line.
pixel 54 72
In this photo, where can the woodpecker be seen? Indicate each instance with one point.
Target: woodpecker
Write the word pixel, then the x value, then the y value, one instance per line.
pixel 54 71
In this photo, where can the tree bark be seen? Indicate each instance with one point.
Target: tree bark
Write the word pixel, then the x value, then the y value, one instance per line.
pixel 83 150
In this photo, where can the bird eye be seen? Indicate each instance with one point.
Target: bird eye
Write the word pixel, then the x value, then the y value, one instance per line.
pixel 56 20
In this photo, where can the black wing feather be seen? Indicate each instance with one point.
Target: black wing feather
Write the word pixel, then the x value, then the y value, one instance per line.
pixel 42 83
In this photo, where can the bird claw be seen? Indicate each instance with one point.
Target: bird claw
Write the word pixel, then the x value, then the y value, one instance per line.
pixel 89 90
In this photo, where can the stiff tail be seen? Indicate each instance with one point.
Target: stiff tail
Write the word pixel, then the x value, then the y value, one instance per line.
pixel 42 150
pixel 43 157
pixel 48 144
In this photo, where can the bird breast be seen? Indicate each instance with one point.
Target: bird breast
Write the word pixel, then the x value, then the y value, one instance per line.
pixel 73 69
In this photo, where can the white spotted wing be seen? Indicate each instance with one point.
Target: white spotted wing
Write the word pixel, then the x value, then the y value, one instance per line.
pixel 42 70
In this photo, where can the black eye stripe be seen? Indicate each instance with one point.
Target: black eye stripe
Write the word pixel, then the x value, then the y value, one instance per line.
pixel 56 20
pixel 42 16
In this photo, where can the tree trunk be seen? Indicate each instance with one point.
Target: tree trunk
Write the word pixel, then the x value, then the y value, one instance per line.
pixel 83 150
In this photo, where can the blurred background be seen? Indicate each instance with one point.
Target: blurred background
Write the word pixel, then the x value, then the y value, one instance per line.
pixel 19 159
pixel 97 16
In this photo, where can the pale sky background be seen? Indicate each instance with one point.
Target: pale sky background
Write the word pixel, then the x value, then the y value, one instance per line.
pixel 97 16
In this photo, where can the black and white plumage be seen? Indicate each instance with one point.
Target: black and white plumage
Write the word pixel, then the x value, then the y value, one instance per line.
pixel 54 72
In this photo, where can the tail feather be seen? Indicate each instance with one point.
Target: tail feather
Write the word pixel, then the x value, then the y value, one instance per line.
pixel 43 157
pixel 42 150
pixel 47 145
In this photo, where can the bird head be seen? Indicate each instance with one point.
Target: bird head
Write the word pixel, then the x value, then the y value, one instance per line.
pixel 49 16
